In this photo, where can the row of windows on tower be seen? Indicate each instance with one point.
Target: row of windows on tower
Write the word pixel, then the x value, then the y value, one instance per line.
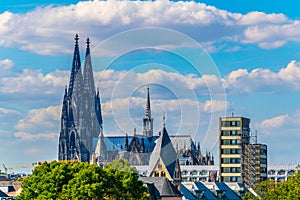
pixel 230 160
pixel 230 132
pixel 230 123
pixel 230 142
pixel 232 179
pixel 230 151
pixel 230 169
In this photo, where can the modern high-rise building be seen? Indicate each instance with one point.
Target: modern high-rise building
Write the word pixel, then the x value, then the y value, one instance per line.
pixel 242 159
pixel 255 163
pixel 234 136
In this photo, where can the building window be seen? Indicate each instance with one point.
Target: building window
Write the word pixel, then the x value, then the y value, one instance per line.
pixel 194 172
pixel 281 172
pixel 235 151
pixel 235 170
pixel 162 174
pixel 225 133
pixel 235 123
pixel 235 160
pixel 203 172
pixel 225 151
pixel 156 174
pixel 226 179
pixel 271 172
pixel 225 160
pixel 291 172
pixel 263 161
pixel 225 123
pixel 225 142
pixel 225 169
pixel 263 170
pixel 159 166
pixel 281 179
pixel 235 179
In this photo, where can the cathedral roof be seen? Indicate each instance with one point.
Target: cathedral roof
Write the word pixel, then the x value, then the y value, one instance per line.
pixel 114 143
pixel 162 187
pixel 164 152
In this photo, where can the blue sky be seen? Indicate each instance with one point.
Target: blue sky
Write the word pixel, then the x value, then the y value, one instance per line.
pixel 202 60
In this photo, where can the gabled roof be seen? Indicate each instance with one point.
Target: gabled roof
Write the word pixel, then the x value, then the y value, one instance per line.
pixel 229 193
pixel 160 187
pixel 207 193
pixel 2 194
pixel 165 152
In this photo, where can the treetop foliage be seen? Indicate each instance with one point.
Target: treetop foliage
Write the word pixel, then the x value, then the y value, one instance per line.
pixel 270 190
pixel 80 180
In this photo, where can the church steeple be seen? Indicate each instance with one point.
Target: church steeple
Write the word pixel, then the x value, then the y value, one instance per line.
pixel 148 109
pixel 148 120
pixel 76 64
pixel 88 76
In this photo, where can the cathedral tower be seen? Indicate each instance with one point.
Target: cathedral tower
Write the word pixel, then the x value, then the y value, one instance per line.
pixel 81 119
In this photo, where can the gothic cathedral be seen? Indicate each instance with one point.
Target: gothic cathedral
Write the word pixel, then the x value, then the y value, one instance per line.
pixel 81 119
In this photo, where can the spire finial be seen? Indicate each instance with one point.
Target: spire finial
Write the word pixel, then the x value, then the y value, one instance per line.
pixel 76 39
pixel 164 119
pixel 134 131
pixel 88 42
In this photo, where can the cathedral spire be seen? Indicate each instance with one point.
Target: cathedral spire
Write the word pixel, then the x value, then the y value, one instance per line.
pixel 75 66
pixel 148 109
pixel 148 120
pixel 88 76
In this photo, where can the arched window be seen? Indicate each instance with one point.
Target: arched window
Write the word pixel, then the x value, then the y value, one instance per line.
pixel 162 174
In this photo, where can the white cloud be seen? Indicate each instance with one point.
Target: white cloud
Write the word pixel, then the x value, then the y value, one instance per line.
pixel 275 122
pixel 255 18
pixel 272 35
pixel 5 112
pixel 288 123
pixel 291 73
pixel 264 80
pixel 34 137
pixel 216 106
pixel 37 120
pixel 32 84
pixel 8 117
pixel 6 64
pixel 50 26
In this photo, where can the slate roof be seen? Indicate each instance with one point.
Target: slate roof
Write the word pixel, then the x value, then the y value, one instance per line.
pixel 207 193
pixel 160 187
pixel 182 142
pixel 165 152
pixel 229 194
pixel 2 194
pixel 114 143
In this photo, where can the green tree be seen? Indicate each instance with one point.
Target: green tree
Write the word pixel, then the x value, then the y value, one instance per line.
pixel 121 164
pixel 129 186
pixel 270 190
pixel 78 180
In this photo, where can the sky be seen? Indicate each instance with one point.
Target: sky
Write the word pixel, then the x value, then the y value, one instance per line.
pixel 201 59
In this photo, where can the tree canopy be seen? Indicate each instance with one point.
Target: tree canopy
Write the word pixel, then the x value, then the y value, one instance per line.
pixel 79 180
pixel 270 190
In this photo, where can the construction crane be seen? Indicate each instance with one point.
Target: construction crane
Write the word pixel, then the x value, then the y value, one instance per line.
pixel 7 168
